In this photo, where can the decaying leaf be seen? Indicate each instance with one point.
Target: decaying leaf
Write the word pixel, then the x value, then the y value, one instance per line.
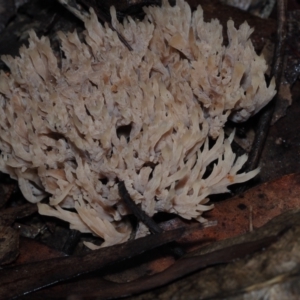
pixel 252 209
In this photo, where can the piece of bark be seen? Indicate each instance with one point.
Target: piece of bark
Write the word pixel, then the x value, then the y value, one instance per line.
pixel 9 245
pixel 9 215
pixel 5 192
pixel 33 251
pixel 28 231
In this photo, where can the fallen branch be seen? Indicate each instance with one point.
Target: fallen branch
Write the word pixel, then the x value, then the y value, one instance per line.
pixel 23 279
pixel 103 289
pixel 184 267
pixel 267 113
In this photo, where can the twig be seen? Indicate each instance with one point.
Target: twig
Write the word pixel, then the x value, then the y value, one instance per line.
pixel 70 5
pixel 140 214
pixel 251 219
pixel 143 217
pixel 267 113
pixel 281 36
pixel 71 242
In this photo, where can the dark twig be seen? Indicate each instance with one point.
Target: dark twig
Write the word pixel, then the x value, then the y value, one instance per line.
pixel 267 113
pixel 143 217
pixel 280 45
pixel 139 213
pixel 71 242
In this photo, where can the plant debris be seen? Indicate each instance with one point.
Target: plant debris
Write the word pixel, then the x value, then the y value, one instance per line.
pixel 257 276
pixel 22 279
pixel 9 245
pixel 11 214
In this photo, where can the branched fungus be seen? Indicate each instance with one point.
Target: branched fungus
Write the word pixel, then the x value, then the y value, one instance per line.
pixel 152 117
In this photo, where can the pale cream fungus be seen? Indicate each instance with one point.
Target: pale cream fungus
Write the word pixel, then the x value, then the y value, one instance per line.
pixel 144 117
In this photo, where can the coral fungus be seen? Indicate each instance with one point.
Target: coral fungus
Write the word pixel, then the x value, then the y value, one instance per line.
pixel 152 117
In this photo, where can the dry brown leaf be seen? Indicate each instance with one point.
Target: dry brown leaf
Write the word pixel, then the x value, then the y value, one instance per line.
pixel 254 208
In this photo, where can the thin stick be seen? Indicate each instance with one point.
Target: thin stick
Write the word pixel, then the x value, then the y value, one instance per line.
pixel 139 213
pixel 71 8
pixel 251 219
pixel 143 217
pixel 267 113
